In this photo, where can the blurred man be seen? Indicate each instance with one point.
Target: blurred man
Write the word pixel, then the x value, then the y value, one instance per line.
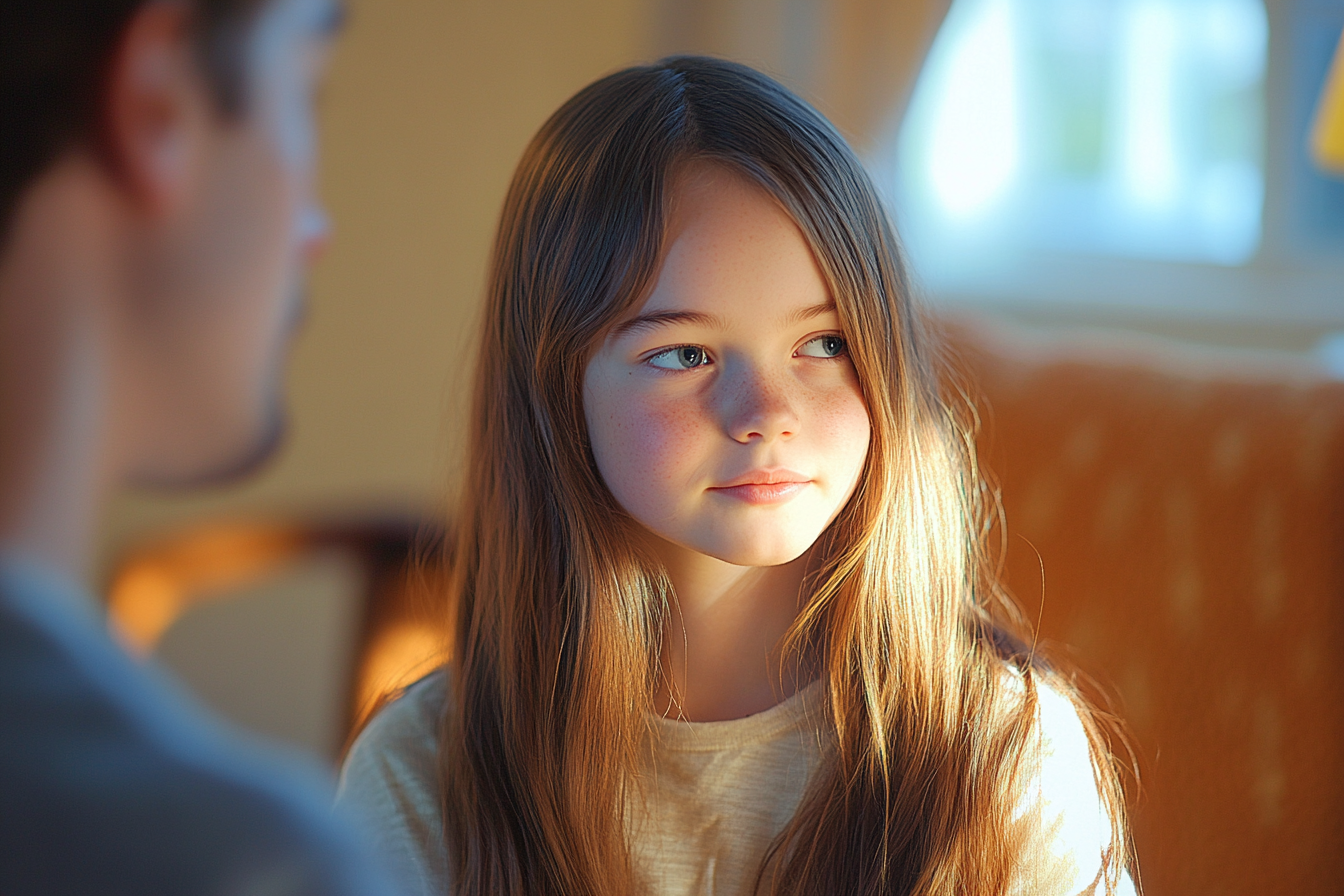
pixel 156 218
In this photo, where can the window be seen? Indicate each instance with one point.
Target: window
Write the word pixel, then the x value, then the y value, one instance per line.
pixel 1116 151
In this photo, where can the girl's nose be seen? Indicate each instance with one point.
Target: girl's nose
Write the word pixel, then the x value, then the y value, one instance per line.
pixel 758 406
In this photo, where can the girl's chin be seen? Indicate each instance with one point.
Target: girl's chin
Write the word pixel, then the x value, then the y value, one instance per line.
pixel 747 553
pixel 738 542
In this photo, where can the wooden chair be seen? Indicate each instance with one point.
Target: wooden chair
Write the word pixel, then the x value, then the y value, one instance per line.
pixel 296 630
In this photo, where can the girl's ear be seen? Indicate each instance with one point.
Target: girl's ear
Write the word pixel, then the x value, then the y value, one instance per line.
pixel 156 110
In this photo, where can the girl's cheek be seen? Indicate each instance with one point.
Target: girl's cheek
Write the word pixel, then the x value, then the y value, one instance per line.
pixel 655 452
pixel 664 437
pixel 841 420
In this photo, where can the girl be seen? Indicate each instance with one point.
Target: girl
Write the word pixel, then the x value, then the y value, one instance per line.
pixel 724 619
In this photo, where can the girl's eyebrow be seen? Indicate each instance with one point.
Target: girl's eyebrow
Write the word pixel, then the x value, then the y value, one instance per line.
pixel 811 311
pixel 656 319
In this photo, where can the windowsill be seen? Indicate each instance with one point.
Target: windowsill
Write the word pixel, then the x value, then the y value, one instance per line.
pixel 1279 304
pixel 1202 329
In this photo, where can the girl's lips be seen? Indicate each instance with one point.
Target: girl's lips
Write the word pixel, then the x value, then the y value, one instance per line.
pixel 763 492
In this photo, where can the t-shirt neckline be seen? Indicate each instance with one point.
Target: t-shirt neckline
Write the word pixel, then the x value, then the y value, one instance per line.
pixel 801 709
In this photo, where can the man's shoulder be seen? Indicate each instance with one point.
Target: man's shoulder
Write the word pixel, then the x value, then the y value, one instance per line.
pixel 108 773
pixel 67 690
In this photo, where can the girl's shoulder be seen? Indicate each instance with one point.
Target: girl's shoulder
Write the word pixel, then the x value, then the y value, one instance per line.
pixel 1060 741
pixel 1061 801
pixel 1058 737
pixel 390 783
pixel 408 725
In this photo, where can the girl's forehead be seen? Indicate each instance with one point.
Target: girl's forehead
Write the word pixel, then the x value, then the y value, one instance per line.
pixel 704 192
pixel 728 237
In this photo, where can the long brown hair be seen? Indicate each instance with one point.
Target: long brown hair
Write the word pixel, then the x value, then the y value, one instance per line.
pixel 559 617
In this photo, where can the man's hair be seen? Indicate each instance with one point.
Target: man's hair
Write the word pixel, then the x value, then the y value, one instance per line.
pixel 53 57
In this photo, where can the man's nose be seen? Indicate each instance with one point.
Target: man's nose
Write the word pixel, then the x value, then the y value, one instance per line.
pixel 314 233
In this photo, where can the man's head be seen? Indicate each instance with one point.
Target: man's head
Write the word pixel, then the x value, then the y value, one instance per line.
pixel 186 129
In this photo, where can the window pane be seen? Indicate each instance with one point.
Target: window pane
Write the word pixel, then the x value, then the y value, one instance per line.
pixel 1128 128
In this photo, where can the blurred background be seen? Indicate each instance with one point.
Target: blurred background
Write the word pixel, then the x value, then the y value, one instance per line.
pixel 1126 219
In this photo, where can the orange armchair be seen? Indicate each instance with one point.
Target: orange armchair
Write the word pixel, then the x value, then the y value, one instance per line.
pixel 1179 523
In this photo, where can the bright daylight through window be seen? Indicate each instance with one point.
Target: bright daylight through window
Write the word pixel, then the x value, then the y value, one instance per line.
pixel 1114 128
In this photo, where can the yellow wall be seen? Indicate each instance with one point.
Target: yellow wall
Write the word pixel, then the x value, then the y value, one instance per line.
pixel 427 109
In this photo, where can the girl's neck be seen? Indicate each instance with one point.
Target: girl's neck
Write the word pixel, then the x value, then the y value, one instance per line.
pixel 722 655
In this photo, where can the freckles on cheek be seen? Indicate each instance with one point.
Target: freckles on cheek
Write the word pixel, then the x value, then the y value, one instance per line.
pixel 654 449
pixel 662 436
pixel 842 422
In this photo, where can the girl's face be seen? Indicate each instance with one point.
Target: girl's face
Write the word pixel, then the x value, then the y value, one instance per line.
pixel 725 415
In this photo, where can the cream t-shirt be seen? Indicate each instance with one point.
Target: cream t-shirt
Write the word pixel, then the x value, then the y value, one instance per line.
pixel 716 795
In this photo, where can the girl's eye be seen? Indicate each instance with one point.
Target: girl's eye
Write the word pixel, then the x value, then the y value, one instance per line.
pixel 828 346
pixel 683 357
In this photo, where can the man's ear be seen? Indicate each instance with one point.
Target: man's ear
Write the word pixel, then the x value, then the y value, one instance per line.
pixel 156 109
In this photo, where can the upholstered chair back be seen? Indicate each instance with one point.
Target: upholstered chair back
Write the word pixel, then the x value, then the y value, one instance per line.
pixel 1176 522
